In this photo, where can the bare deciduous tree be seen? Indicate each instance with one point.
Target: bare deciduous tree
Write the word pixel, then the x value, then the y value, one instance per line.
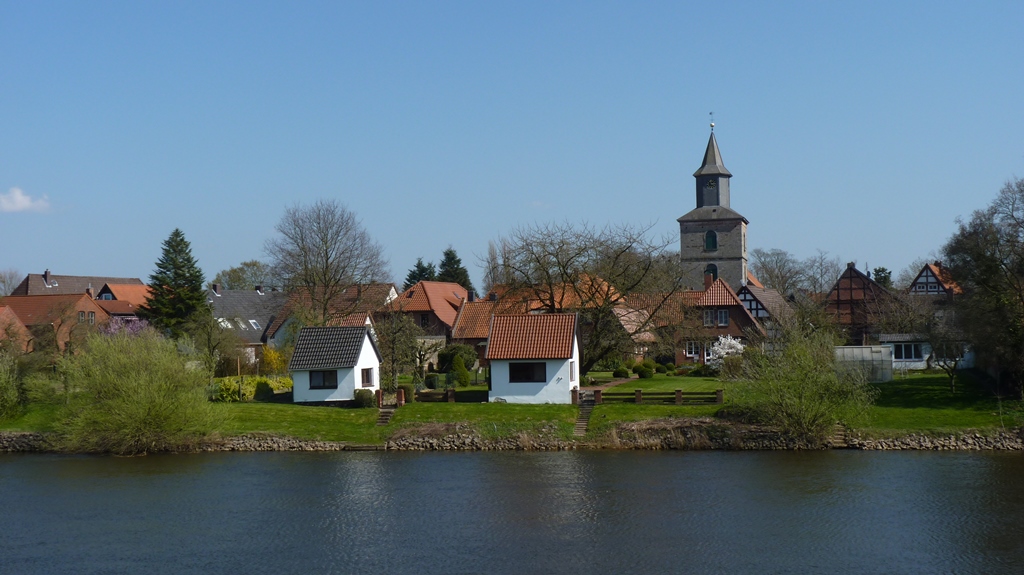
pixel 246 275
pixel 9 279
pixel 565 267
pixel 821 272
pixel 321 251
pixel 778 270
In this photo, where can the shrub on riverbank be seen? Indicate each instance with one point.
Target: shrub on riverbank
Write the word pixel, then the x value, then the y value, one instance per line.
pixel 799 389
pixel 10 400
pixel 134 394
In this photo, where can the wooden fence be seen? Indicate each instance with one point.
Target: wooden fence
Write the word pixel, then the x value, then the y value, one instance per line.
pixel 677 397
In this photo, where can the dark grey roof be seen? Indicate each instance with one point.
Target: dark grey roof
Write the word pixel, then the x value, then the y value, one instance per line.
pixel 246 306
pixel 329 348
pixel 712 213
pixel 712 165
pixel 37 284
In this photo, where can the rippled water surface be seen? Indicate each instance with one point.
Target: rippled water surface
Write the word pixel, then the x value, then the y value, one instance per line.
pixel 585 512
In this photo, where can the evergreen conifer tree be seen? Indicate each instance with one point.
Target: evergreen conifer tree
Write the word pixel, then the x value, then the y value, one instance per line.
pixel 420 272
pixel 176 287
pixel 452 270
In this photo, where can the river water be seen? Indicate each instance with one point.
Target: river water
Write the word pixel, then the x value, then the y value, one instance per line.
pixel 570 512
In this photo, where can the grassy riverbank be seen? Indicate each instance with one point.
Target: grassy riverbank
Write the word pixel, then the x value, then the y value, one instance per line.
pixel 919 404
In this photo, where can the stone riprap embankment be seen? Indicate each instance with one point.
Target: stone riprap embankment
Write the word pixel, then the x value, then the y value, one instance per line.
pixel 669 434
pixel 24 441
pixel 1010 440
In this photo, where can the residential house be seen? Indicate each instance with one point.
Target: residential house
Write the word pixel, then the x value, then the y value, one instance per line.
pixel 66 316
pixel 534 358
pixel 247 313
pixel 331 363
pixel 857 301
pixel 766 305
pixel 354 307
pixel 50 284
pixel 13 333
pixel 688 322
pixel 934 280
pixel 432 305
pixel 473 322
pixel 122 300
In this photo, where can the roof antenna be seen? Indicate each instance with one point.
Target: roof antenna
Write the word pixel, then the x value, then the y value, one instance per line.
pixel 712 114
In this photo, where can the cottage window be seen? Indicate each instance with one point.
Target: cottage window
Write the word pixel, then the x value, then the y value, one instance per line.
pixel 81 317
pixel 572 371
pixel 92 318
pixel 368 377
pixel 907 351
pixel 527 372
pixel 424 320
pixel 723 317
pixel 327 379
pixel 710 241
pixel 709 318
pixel 693 349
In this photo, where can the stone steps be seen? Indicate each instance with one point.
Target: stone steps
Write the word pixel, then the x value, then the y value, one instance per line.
pixel 839 439
pixel 386 413
pixel 583 419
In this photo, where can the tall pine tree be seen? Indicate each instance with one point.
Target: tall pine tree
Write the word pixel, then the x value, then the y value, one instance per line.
pixel 452 270
pixel 176 287
pixel 420 272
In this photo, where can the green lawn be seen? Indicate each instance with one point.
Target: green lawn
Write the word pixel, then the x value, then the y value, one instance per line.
pixel 491 419
pixel 663 382
pixel 38 417
pixel 301 421
pixel 923 403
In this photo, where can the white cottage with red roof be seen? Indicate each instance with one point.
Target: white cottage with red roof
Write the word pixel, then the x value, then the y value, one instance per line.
pixel 534 358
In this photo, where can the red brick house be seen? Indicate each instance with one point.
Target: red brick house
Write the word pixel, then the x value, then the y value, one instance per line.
pixel 66 317
pixel 855 300
pixel 432 305
pixel 13 333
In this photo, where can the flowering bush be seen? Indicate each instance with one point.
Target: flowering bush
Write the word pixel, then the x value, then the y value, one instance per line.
pixel 726 346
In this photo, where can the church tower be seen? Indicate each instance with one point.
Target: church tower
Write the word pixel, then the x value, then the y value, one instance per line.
pixel 712 237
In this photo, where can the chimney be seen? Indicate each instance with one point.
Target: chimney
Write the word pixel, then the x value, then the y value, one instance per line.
pixel 46 278
pixel 216 289
pixel 708 280
pixel 851 265
pixel 470 296
pixel 492 296
pixel 259 290
pixel 88 291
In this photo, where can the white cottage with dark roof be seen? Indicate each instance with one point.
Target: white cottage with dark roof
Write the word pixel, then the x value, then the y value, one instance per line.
pixel 331 363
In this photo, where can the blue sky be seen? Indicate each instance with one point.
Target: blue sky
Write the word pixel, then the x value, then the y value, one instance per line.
pixel 860 128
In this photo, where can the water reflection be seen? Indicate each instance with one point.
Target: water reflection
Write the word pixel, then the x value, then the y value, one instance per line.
pixel 716 512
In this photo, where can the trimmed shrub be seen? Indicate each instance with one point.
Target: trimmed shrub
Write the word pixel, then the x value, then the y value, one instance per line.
pixel 430 381
pixel 409 390
pixel 660 369
pixel 461 373
pixel 645 372
pixel 670 366
pixel 446 357
pixel 636 368
pixel 364 398
pixel 620 373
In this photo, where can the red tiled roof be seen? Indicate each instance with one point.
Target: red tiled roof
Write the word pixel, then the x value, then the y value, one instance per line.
pixel 943 276
pixel 44 309
pixel 117 306
pixel 752 280
pixel 11 326
pixel 474 319
pixel 442 298
pixel 532 336
pixel 133 293
pixel 719 294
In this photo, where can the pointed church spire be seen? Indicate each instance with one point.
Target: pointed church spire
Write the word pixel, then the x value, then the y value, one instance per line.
pixel 712 165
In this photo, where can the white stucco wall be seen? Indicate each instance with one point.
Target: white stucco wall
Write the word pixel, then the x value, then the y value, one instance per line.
pixel 349 379
pixel 557 389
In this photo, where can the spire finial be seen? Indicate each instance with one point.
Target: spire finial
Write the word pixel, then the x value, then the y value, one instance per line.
pixel 712 114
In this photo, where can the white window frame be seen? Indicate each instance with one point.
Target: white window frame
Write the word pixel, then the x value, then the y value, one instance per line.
pixel 723 318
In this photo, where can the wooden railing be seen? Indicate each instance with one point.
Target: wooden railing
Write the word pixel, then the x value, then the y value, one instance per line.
pixel 677 397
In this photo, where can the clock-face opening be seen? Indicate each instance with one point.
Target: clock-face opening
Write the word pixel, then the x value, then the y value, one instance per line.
pixel 711 184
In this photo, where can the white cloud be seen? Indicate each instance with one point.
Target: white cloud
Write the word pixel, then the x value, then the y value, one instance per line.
pixel 16 200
